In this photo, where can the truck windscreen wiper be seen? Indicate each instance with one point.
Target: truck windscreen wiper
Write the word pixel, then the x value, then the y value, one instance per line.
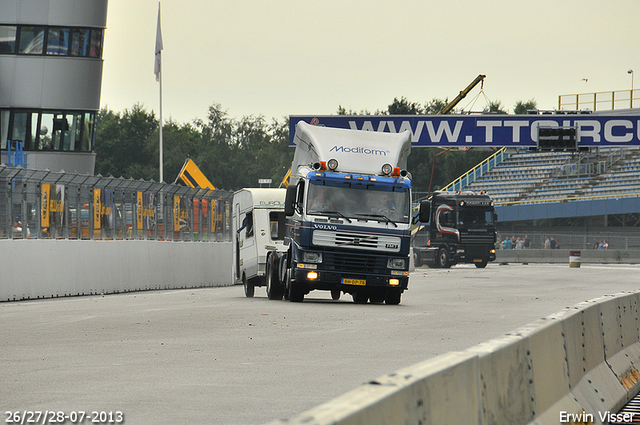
pixel 331 214
pixel 379 217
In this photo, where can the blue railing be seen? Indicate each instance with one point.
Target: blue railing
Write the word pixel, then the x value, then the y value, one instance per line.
pixel 17 158
pixel 478 171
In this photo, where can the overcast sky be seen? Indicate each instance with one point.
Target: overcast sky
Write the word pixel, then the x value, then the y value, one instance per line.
pixel 288 57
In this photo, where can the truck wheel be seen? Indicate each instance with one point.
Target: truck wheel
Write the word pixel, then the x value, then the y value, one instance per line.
pixel 360 297
pixel 377 297
pixel 295 294
pixel 249 289
pixel 481 265
pixel 335 294
pixel 275 290
pixel 284 276
pixel 442 260
pixel 393 297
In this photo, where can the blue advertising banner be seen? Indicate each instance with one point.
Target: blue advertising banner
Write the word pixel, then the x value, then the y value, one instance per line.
pixel 487 130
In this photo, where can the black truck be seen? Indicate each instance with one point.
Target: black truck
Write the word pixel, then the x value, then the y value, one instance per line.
pixel 459 227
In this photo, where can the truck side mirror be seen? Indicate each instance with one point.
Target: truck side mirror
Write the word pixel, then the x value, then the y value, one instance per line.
pixel 290 200
pixel 282 226
pixel 425 211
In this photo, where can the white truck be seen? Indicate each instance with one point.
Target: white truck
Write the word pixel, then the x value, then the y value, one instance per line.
pixel 348 225
pixel 258 226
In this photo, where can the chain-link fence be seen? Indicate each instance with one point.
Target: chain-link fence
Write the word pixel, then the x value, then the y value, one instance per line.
pixel 39 204
pixel 578 239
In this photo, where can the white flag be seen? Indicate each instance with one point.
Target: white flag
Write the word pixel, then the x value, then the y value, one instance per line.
pixel 156 68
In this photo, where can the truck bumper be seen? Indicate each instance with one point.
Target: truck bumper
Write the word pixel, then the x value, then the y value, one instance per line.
pixel 331 280
pixel 475 254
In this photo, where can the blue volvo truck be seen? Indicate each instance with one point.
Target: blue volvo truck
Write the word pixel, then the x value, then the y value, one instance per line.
pixel 348 217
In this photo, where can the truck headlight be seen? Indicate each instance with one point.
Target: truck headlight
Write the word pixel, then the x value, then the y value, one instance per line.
pixel 396 263
pixel 312 257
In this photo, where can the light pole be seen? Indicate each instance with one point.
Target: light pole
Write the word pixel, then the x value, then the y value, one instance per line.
pixel 631 72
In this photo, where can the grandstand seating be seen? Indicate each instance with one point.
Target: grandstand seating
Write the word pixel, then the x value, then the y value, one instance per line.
pixel 528 176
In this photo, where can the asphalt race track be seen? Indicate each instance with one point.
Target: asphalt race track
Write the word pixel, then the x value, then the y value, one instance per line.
pixel 212 356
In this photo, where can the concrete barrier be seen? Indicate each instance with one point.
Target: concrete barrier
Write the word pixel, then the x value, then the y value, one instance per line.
pixel 576 366
pixel 562 256
pixel 54 268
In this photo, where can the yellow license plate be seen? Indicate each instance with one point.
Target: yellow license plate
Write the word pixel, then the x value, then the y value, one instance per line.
pixel 477 260
pixel 359 282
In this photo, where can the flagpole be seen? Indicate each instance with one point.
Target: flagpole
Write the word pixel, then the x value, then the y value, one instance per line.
pixel 160 113
pixel 158 72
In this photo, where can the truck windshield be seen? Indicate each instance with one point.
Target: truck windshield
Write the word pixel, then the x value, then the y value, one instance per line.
pixel 475 218
pixel 369 203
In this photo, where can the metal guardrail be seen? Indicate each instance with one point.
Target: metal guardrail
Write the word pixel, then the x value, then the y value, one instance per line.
pixel 40 204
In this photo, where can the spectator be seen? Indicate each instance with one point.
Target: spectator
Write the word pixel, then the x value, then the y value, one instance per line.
pixel 546 243
pixel 527 242
pixel 596 244
pixel 605 245
pixel 552 243
pixel 507 243
pixel 520 243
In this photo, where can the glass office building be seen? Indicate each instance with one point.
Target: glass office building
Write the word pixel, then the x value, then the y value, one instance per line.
pixel 50 78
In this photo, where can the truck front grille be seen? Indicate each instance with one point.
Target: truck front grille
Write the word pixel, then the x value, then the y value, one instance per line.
pixel 353 263
pixel 354 240
pixel 477 239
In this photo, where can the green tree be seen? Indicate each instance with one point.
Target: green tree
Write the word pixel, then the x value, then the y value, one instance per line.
pixel 122 143
pixel 179 142
pixel 403 107
pixel 236 153
pixel 521 107
pixel 495 107
pixel 435 105
pixel 216 158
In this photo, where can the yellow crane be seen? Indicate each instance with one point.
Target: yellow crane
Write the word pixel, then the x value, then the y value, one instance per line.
pixel 461 95
pixel 285 180
pixel 192 176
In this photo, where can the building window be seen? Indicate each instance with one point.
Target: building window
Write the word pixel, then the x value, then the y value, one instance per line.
pixel 8 39
pixel 48 130
pixel 25 129
pixel 31 40
pixel 88 132
pixel 96 44
pixel 4 129
pixel 59 41
pixel 80 42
